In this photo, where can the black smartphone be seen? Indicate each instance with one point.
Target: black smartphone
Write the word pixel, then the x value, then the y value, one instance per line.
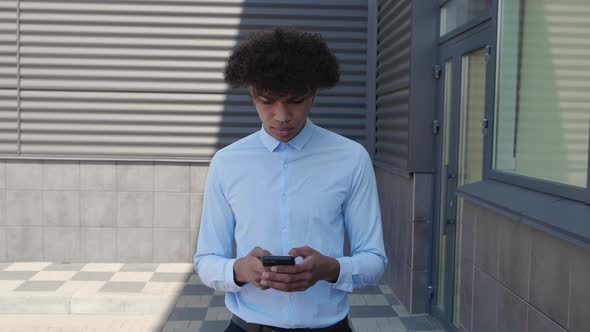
pixel 277 260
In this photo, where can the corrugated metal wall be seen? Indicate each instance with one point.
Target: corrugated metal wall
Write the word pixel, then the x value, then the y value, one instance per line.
pixel 8 79
pixel 393 83
pixel 144 78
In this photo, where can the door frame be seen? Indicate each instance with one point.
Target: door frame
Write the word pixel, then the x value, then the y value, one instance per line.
pixel 477 38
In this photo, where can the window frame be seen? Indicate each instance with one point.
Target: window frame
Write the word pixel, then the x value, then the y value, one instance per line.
pixel 460 29
pixel 553 188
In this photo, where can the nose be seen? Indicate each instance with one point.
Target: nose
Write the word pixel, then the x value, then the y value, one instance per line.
pixel 282 114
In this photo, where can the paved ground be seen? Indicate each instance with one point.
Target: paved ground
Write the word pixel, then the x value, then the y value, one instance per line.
pixel 46 297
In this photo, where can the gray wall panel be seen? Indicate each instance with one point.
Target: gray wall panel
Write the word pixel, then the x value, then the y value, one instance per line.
pixel 144 78
pixel 393 83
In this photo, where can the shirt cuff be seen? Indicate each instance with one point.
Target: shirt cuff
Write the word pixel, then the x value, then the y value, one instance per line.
pixel 230 283
pixel 344 281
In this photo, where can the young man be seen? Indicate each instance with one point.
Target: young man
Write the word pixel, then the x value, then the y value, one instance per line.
pixel 291 188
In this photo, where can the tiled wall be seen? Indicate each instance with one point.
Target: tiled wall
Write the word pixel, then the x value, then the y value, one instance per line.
pixel 516 278
pixel 406 216
pixel 99 211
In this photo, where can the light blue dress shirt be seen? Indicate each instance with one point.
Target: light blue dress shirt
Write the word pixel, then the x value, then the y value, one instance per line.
pixel 279 196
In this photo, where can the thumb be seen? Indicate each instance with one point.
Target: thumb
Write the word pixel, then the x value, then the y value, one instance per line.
pixel 259 252
pixel 301 251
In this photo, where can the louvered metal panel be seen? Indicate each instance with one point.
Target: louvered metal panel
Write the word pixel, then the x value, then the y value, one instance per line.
pixel 8 27
pixel 162 124
pixel 8 77
pixel 8 121
pixel 393 83
pixel 144 78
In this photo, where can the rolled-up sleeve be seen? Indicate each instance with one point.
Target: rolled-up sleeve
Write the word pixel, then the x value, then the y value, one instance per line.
pixel 362 218
pixel 213 259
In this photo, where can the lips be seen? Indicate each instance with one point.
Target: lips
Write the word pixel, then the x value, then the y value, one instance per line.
pixel 282 131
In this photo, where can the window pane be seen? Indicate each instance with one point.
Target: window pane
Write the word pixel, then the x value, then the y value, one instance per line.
pixel 458 12
pixel 442 249
pixel 473 81
pixel 543 104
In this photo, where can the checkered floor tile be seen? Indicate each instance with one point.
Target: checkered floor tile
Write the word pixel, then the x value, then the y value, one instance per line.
pixel 197 308
pixel 372 309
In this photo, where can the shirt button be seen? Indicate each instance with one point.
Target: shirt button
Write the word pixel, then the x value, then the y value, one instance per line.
pixel 285 165
pixel 284 196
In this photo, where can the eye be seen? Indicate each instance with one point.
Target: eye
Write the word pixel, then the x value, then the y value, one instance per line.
pixel 297 101
pixel 266 102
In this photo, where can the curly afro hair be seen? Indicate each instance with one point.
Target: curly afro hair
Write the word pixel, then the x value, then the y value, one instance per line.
pixel 282 61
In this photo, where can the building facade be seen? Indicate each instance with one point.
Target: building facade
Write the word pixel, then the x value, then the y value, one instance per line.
pixel 508 230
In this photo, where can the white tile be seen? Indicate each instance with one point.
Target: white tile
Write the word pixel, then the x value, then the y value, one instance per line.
pixel 97 175
pixel 3 245
pixel 24 174
pixel 173 177
pixel 102 267
pixel 61 175
pixel 171 210
pixel 62 244
pixel 24 244
pixel 159 288
pixel 378 324
pixel 98 244
pixel 61 208
pixel 175 267
pixel 135 176
pixel 356 299
pixel 385 289
pixel 98 209
pixel 9 285
pixel 53 275
pixel 80 287
pixel 401 310
pixel 135 245
pixel 194 301
pixel 27 266
pixel 375 299
pixel 132 276
pixel 135 209
pixel 171 245
pixel 2 174
pixel 198 177
pixel 218 313
pixel 24 208
pixel 196 210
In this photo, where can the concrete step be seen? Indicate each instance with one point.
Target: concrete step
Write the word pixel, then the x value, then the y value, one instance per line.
pixel 80 323
pixel 86 303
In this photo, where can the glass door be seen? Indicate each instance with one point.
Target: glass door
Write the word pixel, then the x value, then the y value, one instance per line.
pixel 460 143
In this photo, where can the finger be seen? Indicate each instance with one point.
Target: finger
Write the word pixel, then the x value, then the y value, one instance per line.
pixel 291 269
pixel 286 278
pixel 259 252
pixel 301 251
pixel 260 269
pixel 258 285
pixel 285 287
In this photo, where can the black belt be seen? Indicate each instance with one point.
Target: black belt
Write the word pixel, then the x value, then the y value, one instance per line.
pixel 341 326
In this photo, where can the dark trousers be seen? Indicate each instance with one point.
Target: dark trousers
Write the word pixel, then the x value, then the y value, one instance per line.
pixel 234 328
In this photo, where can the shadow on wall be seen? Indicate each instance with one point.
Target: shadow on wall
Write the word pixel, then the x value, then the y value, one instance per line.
pixel 341 109
pixel 343 25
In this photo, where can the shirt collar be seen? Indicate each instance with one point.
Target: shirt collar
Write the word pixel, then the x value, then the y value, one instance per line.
pixel 298 142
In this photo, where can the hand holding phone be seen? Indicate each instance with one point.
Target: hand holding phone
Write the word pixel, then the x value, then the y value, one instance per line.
pixel 277 260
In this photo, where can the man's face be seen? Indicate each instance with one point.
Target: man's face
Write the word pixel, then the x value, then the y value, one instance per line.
pixel 283 116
